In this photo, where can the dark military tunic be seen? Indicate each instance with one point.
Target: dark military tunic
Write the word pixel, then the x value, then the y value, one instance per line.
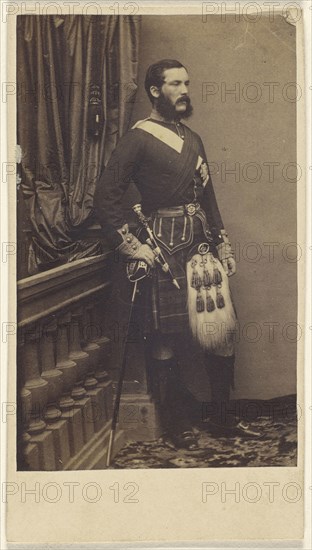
pixel 163 177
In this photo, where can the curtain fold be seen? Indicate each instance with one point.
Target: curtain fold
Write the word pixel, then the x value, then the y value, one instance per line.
pixel 62 63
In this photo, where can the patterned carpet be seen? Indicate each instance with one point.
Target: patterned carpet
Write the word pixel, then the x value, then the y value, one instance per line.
pixel 277 447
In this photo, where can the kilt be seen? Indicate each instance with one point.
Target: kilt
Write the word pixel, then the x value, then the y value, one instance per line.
pixel 171 309
pixel 169 304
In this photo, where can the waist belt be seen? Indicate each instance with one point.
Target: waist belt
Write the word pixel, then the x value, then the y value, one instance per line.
pixel 173 227
pixel 174 211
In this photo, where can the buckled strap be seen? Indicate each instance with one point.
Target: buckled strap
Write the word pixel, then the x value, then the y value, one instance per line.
pixel 200 214
pixel 190 209
pixel 170 212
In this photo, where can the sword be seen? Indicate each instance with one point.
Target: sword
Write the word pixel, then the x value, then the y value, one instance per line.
pixel 151 241
pixel 120 383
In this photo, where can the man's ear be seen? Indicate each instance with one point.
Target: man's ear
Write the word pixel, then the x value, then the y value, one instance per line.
pixel 155 91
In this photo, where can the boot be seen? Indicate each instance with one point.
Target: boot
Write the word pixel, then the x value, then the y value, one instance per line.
pixel 223 419
pixel 169 392
pixel 220 371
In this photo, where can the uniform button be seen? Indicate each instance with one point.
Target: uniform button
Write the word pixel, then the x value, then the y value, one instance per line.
pixel 134 246
pixel 129 239
pixel 124 231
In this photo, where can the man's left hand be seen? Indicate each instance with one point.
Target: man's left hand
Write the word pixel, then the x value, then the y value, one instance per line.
pixel 229 266
pixel 204 174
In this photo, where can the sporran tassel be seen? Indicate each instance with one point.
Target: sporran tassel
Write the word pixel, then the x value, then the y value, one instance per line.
pixel 220 300
pixel 200 306
pixel 217 277
pixel 210 305
pixel 196 279
pixel 207 279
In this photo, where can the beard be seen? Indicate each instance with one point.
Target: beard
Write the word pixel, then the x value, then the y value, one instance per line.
pixel 167 110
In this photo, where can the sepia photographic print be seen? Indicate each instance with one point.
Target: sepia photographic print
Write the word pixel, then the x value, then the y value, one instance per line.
pixel 159 262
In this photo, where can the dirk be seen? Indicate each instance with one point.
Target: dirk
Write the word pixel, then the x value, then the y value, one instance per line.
pixel 151 241
pixel 164 265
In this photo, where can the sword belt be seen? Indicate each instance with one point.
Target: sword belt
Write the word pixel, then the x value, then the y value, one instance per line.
pixel 173 227
pixel 189 209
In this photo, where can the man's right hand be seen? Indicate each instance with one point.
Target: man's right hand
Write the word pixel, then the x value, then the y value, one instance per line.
pixel 146 254
pixel 133 249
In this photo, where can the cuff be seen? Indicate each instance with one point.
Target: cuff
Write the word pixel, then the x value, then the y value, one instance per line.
pixel 130 244
pixel 224 247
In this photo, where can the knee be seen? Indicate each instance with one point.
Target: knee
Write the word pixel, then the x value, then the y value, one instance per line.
pixel 162 348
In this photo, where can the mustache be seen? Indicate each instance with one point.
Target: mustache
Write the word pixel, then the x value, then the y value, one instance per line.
pixel 184 99
pixel 168 110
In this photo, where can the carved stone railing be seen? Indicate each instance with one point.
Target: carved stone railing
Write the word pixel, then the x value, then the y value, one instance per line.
pixel 64 389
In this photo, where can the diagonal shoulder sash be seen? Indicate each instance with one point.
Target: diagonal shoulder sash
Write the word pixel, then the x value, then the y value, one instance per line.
pixel 163 134
pixel 167 136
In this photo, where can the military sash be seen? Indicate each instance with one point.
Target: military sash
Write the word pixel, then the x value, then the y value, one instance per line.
pixel 165 135
pixel 189 160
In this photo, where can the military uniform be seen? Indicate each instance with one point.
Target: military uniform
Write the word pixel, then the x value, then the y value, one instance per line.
pixel 168 164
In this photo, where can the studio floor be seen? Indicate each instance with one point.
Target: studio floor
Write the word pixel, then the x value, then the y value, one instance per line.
pixel 276 447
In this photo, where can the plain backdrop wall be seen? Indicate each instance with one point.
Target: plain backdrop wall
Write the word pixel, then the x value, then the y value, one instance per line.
pixel 252 128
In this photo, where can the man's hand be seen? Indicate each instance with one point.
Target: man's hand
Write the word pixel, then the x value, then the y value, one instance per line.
pixel 132 249
pixel 226 257
pixel 229 266
pixel 204 174
pixel 145 253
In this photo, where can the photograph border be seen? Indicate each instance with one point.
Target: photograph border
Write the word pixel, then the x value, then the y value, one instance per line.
pixel 31 522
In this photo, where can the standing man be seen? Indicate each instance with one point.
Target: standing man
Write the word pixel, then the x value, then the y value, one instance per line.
pixel 167 162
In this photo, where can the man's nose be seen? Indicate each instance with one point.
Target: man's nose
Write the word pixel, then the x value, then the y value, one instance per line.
pixel 184 89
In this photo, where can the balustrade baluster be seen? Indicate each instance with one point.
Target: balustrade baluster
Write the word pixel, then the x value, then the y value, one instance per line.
pixel 29 450
pixel 94 391
pixel 71 414
pixel 91 347
pixel 82 360
pixel 54 377
pixel 38 388
pixel 104 363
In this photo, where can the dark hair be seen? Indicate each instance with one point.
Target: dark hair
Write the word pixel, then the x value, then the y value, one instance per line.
pixel 155 74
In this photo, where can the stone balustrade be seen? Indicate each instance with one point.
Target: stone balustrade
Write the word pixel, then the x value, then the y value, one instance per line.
pixel 65 392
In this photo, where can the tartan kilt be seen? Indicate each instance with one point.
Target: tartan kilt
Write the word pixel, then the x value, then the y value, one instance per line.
pixel 168 309
pixel 169 304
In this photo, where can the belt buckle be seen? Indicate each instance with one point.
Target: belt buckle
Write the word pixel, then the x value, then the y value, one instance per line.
pixel 191 208
pixel 203 248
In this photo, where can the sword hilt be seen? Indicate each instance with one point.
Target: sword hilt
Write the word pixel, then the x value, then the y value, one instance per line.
pixel 137 208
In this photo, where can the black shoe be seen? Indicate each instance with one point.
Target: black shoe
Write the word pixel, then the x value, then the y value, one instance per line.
pixel 241 429
pixel 185 440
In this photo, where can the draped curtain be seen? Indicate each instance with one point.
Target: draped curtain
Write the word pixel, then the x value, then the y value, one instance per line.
pixel 60 62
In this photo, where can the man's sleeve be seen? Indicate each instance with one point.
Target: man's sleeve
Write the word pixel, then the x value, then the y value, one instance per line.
pixel 113 183
pixel 210 204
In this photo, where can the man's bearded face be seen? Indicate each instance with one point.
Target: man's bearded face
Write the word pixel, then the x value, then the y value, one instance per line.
pixel 182 108
pixel 174 102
